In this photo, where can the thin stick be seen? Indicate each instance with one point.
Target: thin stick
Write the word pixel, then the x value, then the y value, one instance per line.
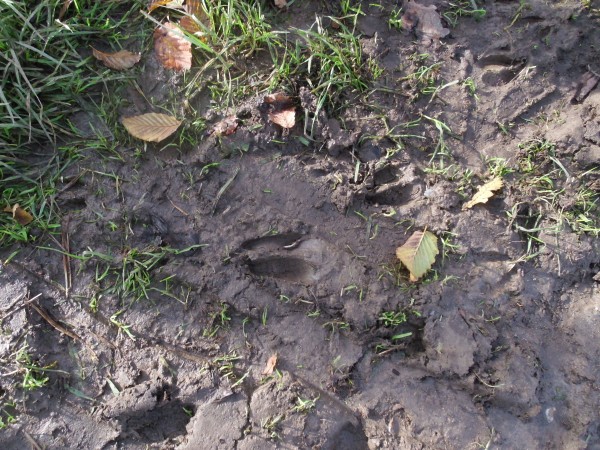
pixel 66 258
pixel 222 190
pixel 19 308
pixel 30 439
pixel 54 323
pixel 178 208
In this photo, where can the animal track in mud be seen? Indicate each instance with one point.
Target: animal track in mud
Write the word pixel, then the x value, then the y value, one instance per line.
pixel 287 268
pixel 275 242
pixel 500 69
pixel 272 260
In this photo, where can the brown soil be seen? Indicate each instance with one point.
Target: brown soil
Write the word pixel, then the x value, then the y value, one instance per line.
pixel 504 351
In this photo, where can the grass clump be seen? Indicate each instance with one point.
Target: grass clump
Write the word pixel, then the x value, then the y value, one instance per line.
pixel 46 77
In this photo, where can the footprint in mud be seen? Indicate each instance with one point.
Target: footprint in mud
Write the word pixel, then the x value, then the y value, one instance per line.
pixel 274 242
pixel 500 69
pixel 285 267
pixel 273 260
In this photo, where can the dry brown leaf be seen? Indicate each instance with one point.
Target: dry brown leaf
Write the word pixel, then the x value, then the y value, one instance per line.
pixel 194 8
pixel 19 214
pixel 281 3
pixel 270 366
pixel 226 126
pixel 151 127
pixel 484 193
pixel 426 19
pixel 121 60
pixel 175 4
pixel 189 25
pixel 285 118
pixel 277 98
pixel 282 110
pixel 171 48
pixel 418 253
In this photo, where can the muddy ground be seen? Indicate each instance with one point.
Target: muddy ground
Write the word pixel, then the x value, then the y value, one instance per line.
pixel 297 259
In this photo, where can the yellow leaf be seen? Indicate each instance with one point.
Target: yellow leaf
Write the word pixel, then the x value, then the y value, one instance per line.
pixel 19 214
pixel 485 192
pixel 418 253
pixel 121 60
pixel 174 4
pixel 151 127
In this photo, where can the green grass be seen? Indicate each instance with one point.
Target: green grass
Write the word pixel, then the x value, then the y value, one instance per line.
pixel 46 77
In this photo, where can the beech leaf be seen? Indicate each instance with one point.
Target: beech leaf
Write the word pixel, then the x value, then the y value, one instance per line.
pixel 484 193
pixel 194 9
pixel 281 110
pixel 418 253
pixel 121 60
pixel 171 48
pixel 19 214
pixel 151 127
pixel 285 118
pixel 174 4
pixel 270 366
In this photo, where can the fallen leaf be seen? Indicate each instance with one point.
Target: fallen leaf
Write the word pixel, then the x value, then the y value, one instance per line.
pixel 285 118
pixel 281 3
pixel 171 48
pixel 418 253
pixel 174 4
pixel 484 193
pixel 194 8
pixel 278 97
pixel 19 214
pixel 226 126
pixel 121 60
pixel 270 366
pixel 282 110
pixel 151 127
pixel 426 19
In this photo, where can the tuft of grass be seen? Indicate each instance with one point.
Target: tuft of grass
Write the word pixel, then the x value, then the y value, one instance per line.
pixel 463 8
pixel 46 77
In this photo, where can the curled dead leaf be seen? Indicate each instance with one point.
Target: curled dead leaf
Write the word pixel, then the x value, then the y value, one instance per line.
pixel 484 193
pixel 418 253
pixel 121 60
pixel 171 48
pixel 282 110
pixel 151 127
pixel 226 126
pixel 196 14
pixel 19 214
pixel 270 366
pixel 280 3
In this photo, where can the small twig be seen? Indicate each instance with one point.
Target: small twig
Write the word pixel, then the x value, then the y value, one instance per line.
pixel 54 323
pixel 66 259
pixel 19 308
pixel 178 208
pixel 73 181
pixel 223 189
